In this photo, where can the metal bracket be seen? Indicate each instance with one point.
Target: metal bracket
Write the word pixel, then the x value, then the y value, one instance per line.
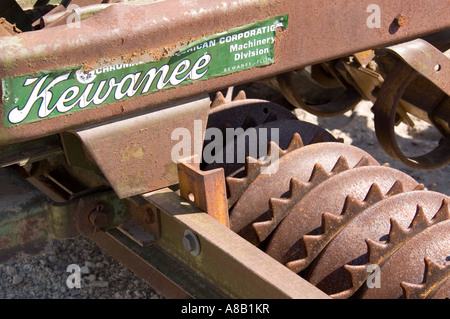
pixel 144 225
pixel 135 153
pixel 206 189
pixel 419 57
pixel 427 60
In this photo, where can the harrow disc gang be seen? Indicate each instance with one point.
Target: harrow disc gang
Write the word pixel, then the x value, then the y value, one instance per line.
pixel 332 214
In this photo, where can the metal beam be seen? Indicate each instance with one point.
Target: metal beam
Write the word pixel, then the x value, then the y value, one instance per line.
pixel 318 31
pixel 224 259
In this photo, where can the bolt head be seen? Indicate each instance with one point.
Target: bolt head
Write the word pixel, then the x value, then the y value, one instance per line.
pixel 191 243
pixel 150 216
pixel 188 243
pixel 99 219
pixel 401 20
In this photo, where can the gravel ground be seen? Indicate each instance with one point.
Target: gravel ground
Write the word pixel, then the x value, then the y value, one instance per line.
pixel 44 277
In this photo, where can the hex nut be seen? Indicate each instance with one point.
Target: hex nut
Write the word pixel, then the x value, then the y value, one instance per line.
pixel 191 243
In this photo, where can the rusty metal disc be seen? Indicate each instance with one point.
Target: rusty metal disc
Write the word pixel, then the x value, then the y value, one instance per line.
pixel 435 283
pixel 305 218
pixel 235 113
pixel 255 141
pixel 253 205
pixel 350 247
pixel 407 263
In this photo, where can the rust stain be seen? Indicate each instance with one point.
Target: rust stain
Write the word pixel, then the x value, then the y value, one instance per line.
pixel 141 56
pixel 4 242
pixel 29 230
pixel 131 152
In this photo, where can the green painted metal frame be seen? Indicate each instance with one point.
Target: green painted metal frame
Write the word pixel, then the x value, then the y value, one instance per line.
pixel 227 266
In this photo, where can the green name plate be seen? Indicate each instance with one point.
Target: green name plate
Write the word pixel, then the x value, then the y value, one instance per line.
pixel 32 98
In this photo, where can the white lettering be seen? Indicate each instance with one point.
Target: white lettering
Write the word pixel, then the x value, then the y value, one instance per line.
pixel 374 279
pixel 200 64
pixel 66 96
pixel 74 280
pixel 130 91
pixel 74 18
pixel 180 69
pixel 374 20
pixel 18 115
pixel 239 144
pixel 212 153
pixel 183 148
pixel 193 309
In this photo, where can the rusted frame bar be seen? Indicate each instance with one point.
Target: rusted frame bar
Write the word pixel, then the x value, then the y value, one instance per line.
pixel 156 267
pixel 225 265
pixel 225 260
pixel 25 218
pixel 33 213
pixel 30 218
pixel 31 151
pixel 318 31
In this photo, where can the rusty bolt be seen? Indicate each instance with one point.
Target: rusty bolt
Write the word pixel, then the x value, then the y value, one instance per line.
pixel 150 216
pixel 98 217
pixel 191 243
pixel 401 20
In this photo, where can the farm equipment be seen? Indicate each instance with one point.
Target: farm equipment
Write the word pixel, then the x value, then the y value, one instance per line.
pixel 122 123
